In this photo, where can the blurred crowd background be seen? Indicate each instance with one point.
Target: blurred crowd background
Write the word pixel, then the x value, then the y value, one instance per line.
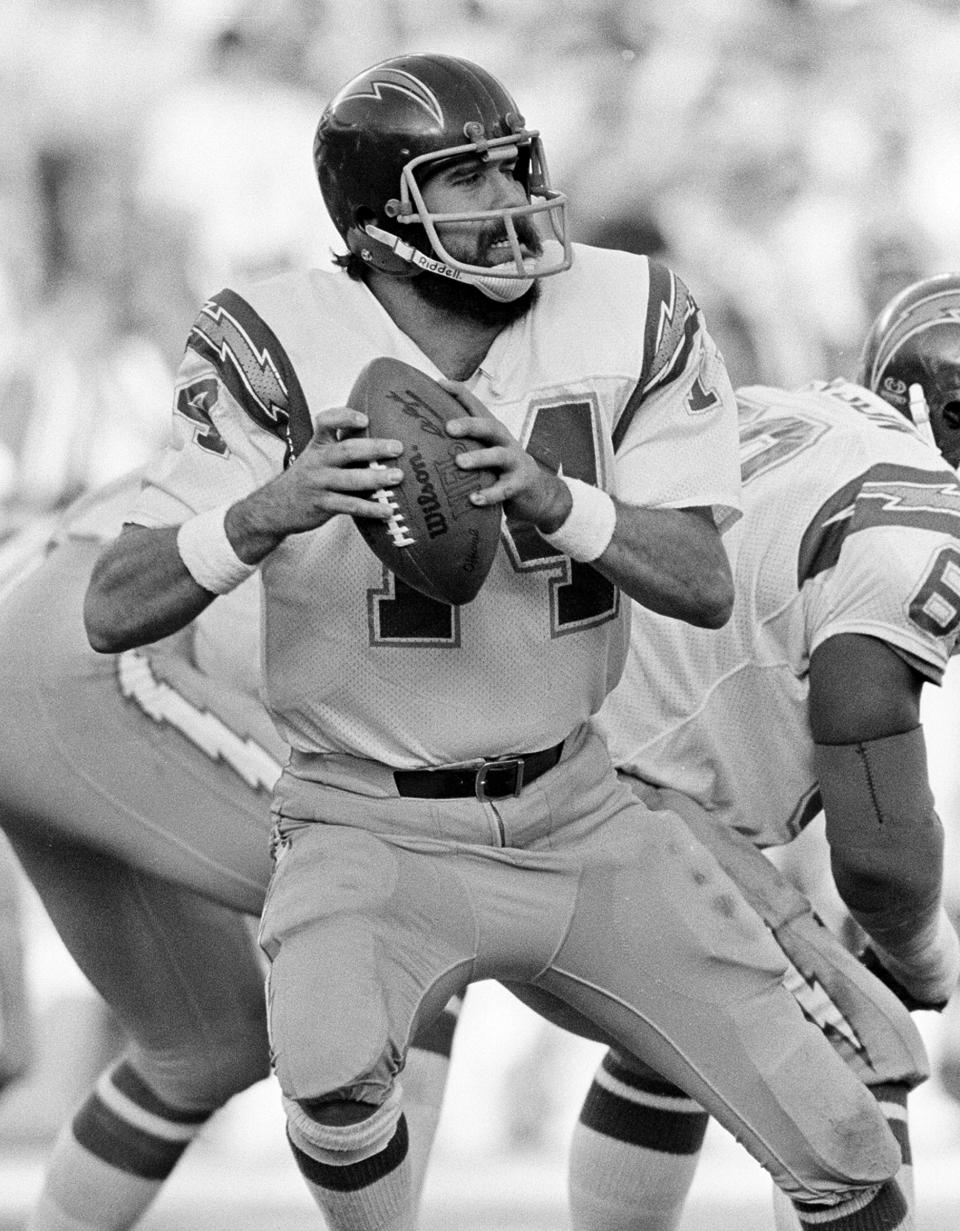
pixel 796 161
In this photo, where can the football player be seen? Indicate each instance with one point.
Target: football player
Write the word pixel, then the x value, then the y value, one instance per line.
pixel 847 569
pixel 447 814
pixel 135 791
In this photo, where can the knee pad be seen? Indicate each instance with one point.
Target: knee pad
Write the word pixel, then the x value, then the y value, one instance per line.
pixel 340 1145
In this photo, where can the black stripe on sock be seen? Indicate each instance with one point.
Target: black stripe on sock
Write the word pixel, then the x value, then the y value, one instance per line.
pixel 653 1128
pixel 121 1145
pixel 890 1092
pixel 355 1175
pixel 895 1093
pixel 129 1082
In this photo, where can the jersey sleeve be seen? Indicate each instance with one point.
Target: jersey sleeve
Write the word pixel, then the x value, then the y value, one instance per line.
pixel 676 440
pixel 239 415
pixel 882 558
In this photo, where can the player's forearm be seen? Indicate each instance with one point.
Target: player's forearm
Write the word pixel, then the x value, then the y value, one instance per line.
pixel 893 895
pixel 927 965
pixel 671 561
pixel 886 840
pixel 259 522
pixel 886 850
pixel 140 590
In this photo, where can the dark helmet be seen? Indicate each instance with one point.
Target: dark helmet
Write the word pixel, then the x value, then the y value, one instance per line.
pixel 406 115
pixel 911 357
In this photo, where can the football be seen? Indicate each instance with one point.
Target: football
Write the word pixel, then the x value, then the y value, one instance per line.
pixel 436 541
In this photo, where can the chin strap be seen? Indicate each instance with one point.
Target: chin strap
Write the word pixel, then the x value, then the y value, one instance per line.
pixel 502 289
pixel 920 414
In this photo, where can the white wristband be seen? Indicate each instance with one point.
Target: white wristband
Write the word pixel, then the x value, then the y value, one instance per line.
pixel 208 554
pixel 588 529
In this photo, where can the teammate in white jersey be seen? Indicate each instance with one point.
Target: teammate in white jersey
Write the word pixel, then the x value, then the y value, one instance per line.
pixel 412 856
pixel 847 572
pixel 135 791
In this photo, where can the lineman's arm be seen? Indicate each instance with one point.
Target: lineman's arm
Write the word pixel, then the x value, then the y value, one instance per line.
pixel 886 840
pixel 141 589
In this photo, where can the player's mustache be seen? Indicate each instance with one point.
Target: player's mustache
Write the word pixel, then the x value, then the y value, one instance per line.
pixel 527 234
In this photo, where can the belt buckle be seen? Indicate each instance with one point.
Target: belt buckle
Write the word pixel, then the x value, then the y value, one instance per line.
pixel 480 783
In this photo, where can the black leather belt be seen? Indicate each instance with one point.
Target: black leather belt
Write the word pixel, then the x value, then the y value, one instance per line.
pixel 491 778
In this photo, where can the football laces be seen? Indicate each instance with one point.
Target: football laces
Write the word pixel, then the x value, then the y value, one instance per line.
pixel 396 527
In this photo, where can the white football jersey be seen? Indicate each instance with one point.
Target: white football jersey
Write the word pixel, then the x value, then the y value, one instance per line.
pixel 851 524
pixel 612 373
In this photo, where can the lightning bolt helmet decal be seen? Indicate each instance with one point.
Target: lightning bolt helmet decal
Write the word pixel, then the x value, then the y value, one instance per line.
pixel 378 84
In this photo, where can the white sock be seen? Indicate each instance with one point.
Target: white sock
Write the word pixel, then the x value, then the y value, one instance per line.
pixel 374 1194
pixel 634 1152
pixel 109 1163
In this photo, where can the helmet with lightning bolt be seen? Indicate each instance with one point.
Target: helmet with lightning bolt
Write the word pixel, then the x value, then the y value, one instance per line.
pixel 911 357
pixel 384 133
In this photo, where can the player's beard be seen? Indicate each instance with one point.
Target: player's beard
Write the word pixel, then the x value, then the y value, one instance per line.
pixel 462 299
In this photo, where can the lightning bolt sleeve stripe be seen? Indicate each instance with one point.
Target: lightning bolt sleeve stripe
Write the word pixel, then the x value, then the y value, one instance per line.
pixel 670 329
pixel 886 494
pixel 253 364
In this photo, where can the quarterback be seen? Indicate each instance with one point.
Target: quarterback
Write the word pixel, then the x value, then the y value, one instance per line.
pixel 146 837
pixel 447 814
pixel 847 573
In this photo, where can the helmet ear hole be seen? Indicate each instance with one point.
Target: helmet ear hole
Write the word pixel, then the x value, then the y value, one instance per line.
pixel 355 235
pixel 361 217
pixel 951 415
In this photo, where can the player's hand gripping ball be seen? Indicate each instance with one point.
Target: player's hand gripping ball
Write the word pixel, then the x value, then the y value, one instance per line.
pixel 436 541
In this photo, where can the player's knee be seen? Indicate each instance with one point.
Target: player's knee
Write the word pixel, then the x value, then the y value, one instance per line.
pixel 860 1155
pixel 241 1066
pixel 206 1078
pixel 872 1151
pixel 341 1131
